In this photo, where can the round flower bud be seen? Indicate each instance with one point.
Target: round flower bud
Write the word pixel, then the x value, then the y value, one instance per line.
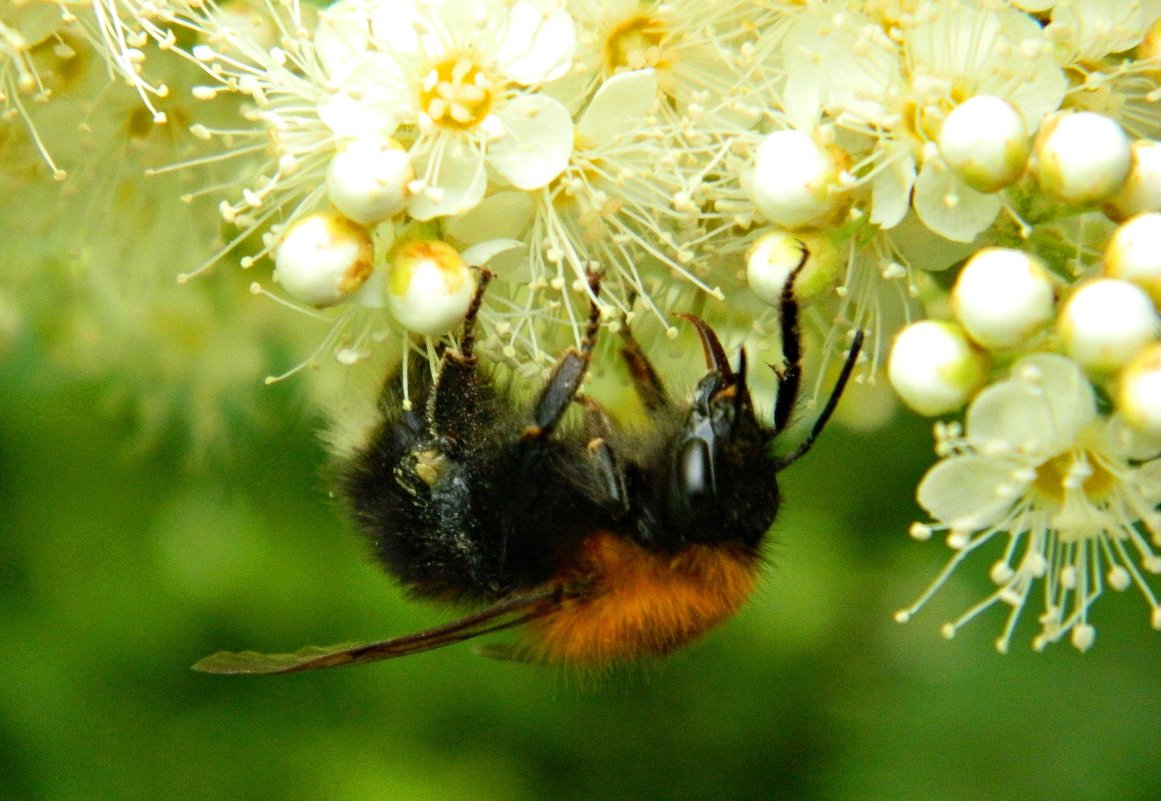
pixel 1081 157
pixel 795 181
pixel 985 141
pixel 934 368
pixel 1139 391
pixel 367 179
pixel 1142 189
pixel 429 286
pixel 1106 323
pixel 323 259
pixel 1134 254
pixel 1002 297
pixel 777 253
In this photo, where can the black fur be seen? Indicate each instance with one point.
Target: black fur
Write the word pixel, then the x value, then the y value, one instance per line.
pixel 472 495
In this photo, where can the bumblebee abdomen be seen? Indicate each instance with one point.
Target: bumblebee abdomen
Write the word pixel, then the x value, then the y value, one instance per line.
pixel 643 603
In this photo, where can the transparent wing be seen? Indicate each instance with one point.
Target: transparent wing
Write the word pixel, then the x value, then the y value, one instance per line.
pixel 508 613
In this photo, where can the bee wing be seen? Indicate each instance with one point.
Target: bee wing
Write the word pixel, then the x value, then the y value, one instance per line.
pixel 508 613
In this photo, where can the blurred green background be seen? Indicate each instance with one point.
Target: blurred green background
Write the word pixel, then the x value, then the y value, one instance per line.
pixel 118 571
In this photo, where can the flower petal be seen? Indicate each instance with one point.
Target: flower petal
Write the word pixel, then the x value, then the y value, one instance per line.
pixel 1037 413
pixel 455 185
pixel 967 492
pixel 538 45
pixel 480 254
pixel 501 215
pixel 396 27
pixel 363 106
pixel 619 106
pixel 891 190
pixel 951 208
pixel 340 40
pixel 536 144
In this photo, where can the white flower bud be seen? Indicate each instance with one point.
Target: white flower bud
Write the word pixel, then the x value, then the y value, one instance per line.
pixel 1139 391
pixel 1081 157
pixel 985 141
pixel 367 179
pixel 1142 189
pixel 1002 297
pixel 1106 323
pixel 323 259
pixel 934 368
pixel 1134 254
pixel 429 286
pixel 777 253
pixel 795 181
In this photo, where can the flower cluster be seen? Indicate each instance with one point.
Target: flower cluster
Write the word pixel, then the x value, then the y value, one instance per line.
pixel 977 185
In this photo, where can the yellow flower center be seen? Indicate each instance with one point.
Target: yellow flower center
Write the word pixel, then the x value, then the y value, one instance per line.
pixel 635 44
pixel 457 93
pixel 1073 470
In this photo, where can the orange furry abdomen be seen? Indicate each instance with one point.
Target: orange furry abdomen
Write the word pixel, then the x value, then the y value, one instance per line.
pixel 642 603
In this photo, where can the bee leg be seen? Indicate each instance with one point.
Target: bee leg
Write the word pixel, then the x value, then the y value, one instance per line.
pixel 456 398
pixel 613 496
pixel 645 379
pixel 566 376
pixel 790 376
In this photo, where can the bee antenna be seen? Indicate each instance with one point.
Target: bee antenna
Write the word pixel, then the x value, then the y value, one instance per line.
pixel 836 394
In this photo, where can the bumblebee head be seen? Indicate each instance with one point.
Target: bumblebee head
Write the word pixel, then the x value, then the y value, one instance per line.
pixel 720 485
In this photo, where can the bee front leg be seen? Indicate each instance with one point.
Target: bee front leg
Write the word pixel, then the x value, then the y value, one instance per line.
pixel 457 402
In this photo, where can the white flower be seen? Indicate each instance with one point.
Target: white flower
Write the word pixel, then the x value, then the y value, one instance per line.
pixel 1064 494
pixel 467 72
pixel 894 90
pixel 701 52
pixel 973 49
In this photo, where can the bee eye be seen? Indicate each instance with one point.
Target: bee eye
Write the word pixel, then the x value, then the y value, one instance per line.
pixel 692 481
pixel 695 469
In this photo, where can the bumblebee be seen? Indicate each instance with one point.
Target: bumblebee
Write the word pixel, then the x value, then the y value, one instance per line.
pixel 603 543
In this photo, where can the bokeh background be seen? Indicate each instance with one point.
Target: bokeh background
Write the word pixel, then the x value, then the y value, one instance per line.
pixel 121 566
